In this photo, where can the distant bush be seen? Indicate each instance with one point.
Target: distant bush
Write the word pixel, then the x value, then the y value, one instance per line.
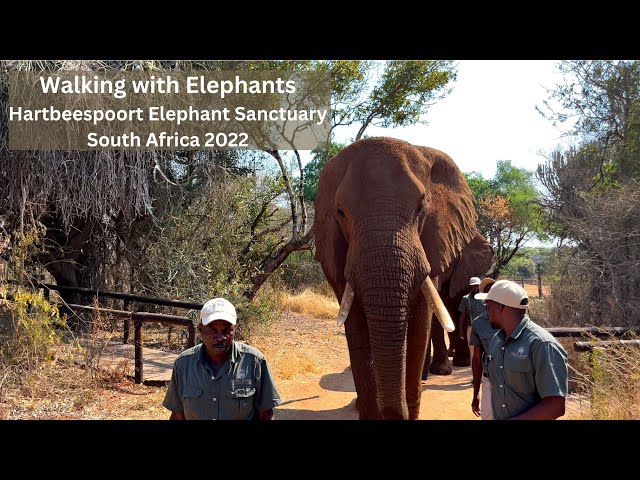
pixel 29 327
pixel 612 384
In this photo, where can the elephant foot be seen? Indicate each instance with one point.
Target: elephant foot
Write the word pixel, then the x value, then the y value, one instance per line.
pixel 440 368
pixel 461 362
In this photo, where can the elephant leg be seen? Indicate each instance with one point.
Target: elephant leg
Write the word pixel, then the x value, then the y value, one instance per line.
pixel 440 364
pixel 357 333
pixel 417 336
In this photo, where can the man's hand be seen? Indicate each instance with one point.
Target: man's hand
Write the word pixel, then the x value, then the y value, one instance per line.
pixel 475 406
pixel 265 414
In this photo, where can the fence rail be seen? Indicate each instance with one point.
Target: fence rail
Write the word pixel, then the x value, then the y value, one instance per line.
pixel 165 302
pixel 137 317
pixel 589 346
pixel 594 331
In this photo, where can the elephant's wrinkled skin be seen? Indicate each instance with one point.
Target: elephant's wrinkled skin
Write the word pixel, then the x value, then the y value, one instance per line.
pixel 389 214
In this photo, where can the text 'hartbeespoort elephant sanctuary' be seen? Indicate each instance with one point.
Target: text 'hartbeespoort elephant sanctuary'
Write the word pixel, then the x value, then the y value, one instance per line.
pixel 394 223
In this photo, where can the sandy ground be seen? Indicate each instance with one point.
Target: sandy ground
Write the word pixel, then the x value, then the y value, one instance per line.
pixel 310 360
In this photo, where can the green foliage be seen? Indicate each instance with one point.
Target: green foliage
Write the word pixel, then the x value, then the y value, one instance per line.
pixel 508 211
pixel 29 327
pixel 313 169
pixel 405 91
pixel 523 262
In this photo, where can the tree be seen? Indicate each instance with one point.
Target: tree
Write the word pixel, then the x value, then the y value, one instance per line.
pixel 591 189
pixel 603 99
pixel 403 93
pixel 507 212
pixel 314 167
pixel 406 90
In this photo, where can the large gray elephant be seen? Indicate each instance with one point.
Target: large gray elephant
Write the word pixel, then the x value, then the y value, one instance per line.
pixel 393 222
pixel 476 255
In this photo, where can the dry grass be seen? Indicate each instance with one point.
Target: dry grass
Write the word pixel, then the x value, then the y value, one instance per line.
pixel 310 303
pixel 283 348
pixel 65 391
pixel 612 382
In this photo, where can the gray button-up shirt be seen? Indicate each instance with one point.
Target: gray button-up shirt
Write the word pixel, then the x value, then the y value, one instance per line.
pixel 242 386
pixel 472 306
pixel 481 334
pixel 524 368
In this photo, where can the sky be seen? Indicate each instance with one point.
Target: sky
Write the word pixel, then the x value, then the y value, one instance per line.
pixel 490 115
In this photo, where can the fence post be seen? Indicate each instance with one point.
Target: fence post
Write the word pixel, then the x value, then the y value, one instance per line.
pixel 192 336
pixel 127 324
pixel 539 280
pixel 137 340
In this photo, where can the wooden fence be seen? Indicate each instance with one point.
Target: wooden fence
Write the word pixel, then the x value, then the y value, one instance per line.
pixel 137 317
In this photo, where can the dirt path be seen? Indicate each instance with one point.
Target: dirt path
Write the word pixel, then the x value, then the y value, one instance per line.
pixel 310 361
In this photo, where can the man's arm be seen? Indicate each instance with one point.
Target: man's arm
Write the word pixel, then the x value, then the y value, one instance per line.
pixel 265 414
pixel 267 395
pixel 549 408
pixel 462 326
pixel 177 416
pixel 172 400
pixel 476 369
pixel 550 364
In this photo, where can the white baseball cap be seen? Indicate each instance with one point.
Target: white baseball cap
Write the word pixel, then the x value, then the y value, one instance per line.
pixel 474 281
pixel 218 309
pixel 507 293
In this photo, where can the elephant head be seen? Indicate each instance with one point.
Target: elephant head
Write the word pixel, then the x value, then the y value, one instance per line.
pixel 390 218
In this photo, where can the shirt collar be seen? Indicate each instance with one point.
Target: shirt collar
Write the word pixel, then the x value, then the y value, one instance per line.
pixel 518 330
pixel 233 358
pixel 235 353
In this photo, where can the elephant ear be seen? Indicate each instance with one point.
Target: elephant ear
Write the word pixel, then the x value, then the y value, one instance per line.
pixel 331 246
pixel 474 262
pixel 451 217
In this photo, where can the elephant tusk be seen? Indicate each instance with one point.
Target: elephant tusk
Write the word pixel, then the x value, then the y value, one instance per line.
pixel 431 294
pixel 345 304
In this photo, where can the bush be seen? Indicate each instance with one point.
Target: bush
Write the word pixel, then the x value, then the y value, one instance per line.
pixel 29 327
pixel 613 382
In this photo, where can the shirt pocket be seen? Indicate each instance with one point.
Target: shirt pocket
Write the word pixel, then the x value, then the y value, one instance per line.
pixel 192 402
pixel 518 375
pixel 241 395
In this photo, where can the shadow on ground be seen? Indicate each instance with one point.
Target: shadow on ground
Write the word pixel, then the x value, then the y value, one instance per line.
pixel 348 412
pixel 338 382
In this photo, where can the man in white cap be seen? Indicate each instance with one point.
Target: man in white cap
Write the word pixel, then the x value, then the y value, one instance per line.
pixel 221 379
pixel 479 339
pixel 469 309
pixel 527 365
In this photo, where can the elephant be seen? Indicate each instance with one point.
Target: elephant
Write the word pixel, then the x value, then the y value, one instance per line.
pixel 393 223
pixel 477 254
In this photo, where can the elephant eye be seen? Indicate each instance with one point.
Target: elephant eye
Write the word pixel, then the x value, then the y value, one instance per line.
pixel 340 212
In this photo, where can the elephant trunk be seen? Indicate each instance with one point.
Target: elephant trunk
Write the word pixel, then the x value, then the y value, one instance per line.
pixel 391 269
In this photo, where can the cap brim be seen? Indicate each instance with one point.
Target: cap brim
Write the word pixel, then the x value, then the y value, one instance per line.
pixel 218 316
pixel 481 296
